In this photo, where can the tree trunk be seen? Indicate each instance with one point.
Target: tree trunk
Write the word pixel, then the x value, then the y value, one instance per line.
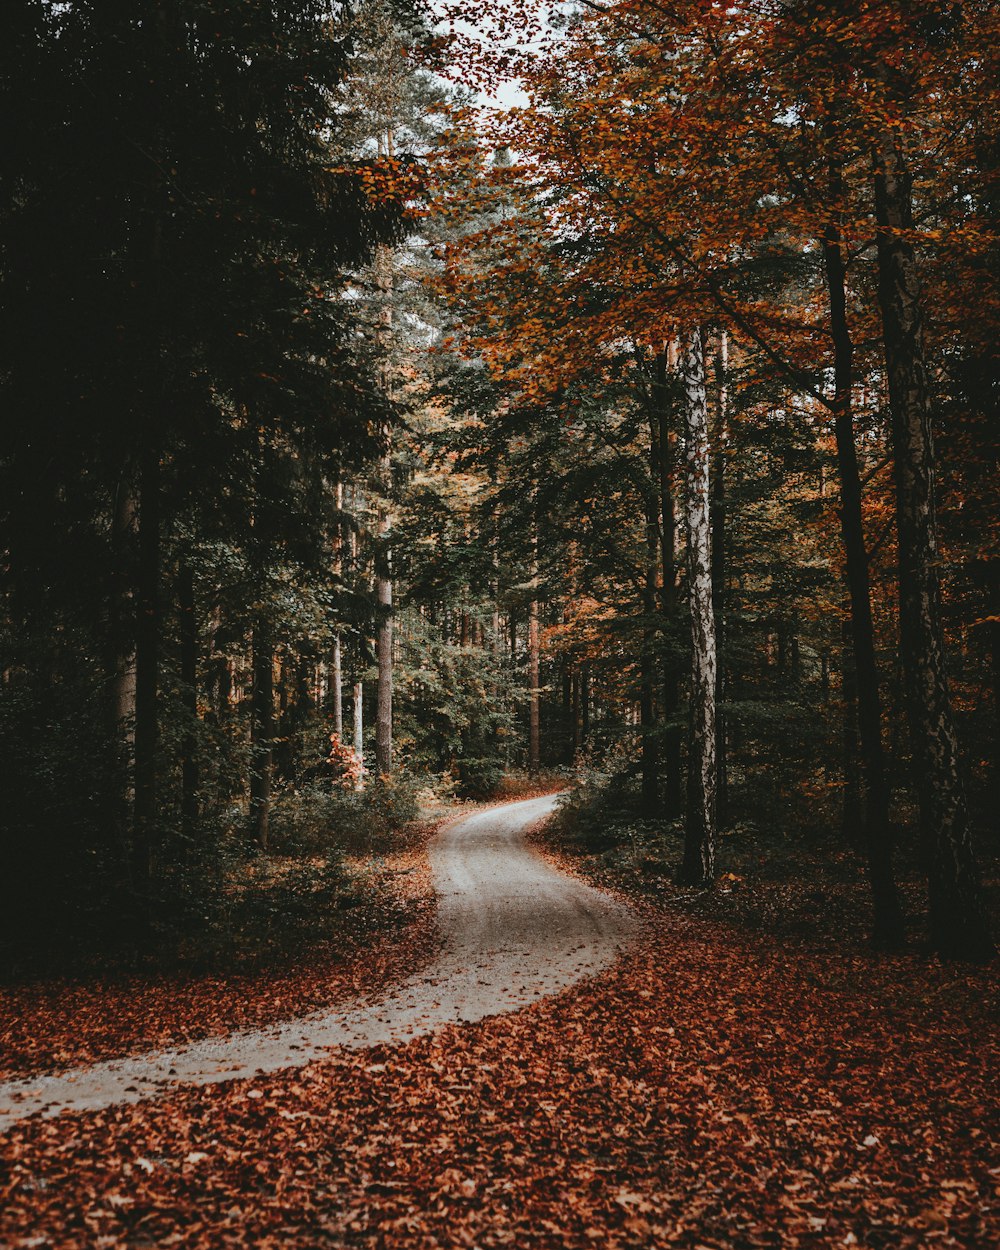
pixel 534 669
pixel 887 915
pixel 147 668
pixel 718 514
pixel 698 867
pixel 993 643
pixel 336 658
pixel 262 733
pixel 359 731
pixel 383 651
pixel 189 696
pixel 664 471
pixel 647 696
pixel 851 810
pixel 337 688
pixel 958 923
pixel 125 525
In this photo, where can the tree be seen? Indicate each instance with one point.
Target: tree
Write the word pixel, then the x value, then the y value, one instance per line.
pixel 698 867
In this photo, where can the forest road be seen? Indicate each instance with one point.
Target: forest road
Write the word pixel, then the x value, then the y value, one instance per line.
pixel 513 928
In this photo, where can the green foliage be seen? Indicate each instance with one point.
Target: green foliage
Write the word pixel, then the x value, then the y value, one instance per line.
pixel 480 778
pixel 289 903
pixel 320 818
pixel 456 707
pixel 602 813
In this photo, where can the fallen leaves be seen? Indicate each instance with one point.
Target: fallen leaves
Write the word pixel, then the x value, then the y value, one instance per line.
pixel 62 1023
pixel 710 1091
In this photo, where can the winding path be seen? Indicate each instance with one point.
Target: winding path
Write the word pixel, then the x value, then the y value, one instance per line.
pixel 514 930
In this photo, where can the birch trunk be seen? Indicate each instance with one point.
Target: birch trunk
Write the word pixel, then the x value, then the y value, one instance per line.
pixel 336 658
pixel 534 671
pixel 359 731
pixel 719 553
pixel 383 574
pixel 958 923
pixel 383 651
pixel 698 867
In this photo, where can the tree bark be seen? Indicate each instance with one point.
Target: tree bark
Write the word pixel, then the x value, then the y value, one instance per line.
pixel 851 809
pixel 147 669
pixel 647 695
pixel 125 526
pixel 383 571
pixel 698 867
pixel 189 696
pixel 958 924
pixel 336 658
pixel 534 671
pixel 664 470
pixel 383 651
pixel 718 516
pixel 359 731
pixel 262 701
pixel 887 913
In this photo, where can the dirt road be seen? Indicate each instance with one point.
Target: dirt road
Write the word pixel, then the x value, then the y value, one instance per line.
pixel 514 930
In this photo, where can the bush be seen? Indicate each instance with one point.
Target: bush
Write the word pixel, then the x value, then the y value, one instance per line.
pixel 295 901
pixel 480 778
pixel 391 802
pixel 317 818
pixel 603 814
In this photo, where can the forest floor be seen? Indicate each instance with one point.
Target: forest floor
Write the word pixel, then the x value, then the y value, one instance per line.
pixel 513 930
pixel 805 890
pixel 715 1088
pixel 388 933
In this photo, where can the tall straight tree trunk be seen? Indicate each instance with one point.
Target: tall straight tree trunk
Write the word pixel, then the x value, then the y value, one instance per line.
pixel 359 730
pixel 663 471
pixel 383 568
pixel 336 657
pixel 852 809
pixel 534 693
pixel 534 669
pixel 958 923
pixel 124 528
pixel 719 552
pixel 189 695
pixel 262 702
pixel 147 668
pixel 698 867
pixel 337 687
pixel 994 645
pixel 647 695
pixel 887 913
pixel 383 651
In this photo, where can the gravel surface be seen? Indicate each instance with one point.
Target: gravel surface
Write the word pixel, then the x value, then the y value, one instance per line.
pixel 514 929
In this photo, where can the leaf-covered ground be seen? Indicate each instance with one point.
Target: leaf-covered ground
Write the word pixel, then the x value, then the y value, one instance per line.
pixel 804 892
pixel 56 1023
pixel 712 1092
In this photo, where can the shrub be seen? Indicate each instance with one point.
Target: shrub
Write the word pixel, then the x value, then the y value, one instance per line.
pixel 480 778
